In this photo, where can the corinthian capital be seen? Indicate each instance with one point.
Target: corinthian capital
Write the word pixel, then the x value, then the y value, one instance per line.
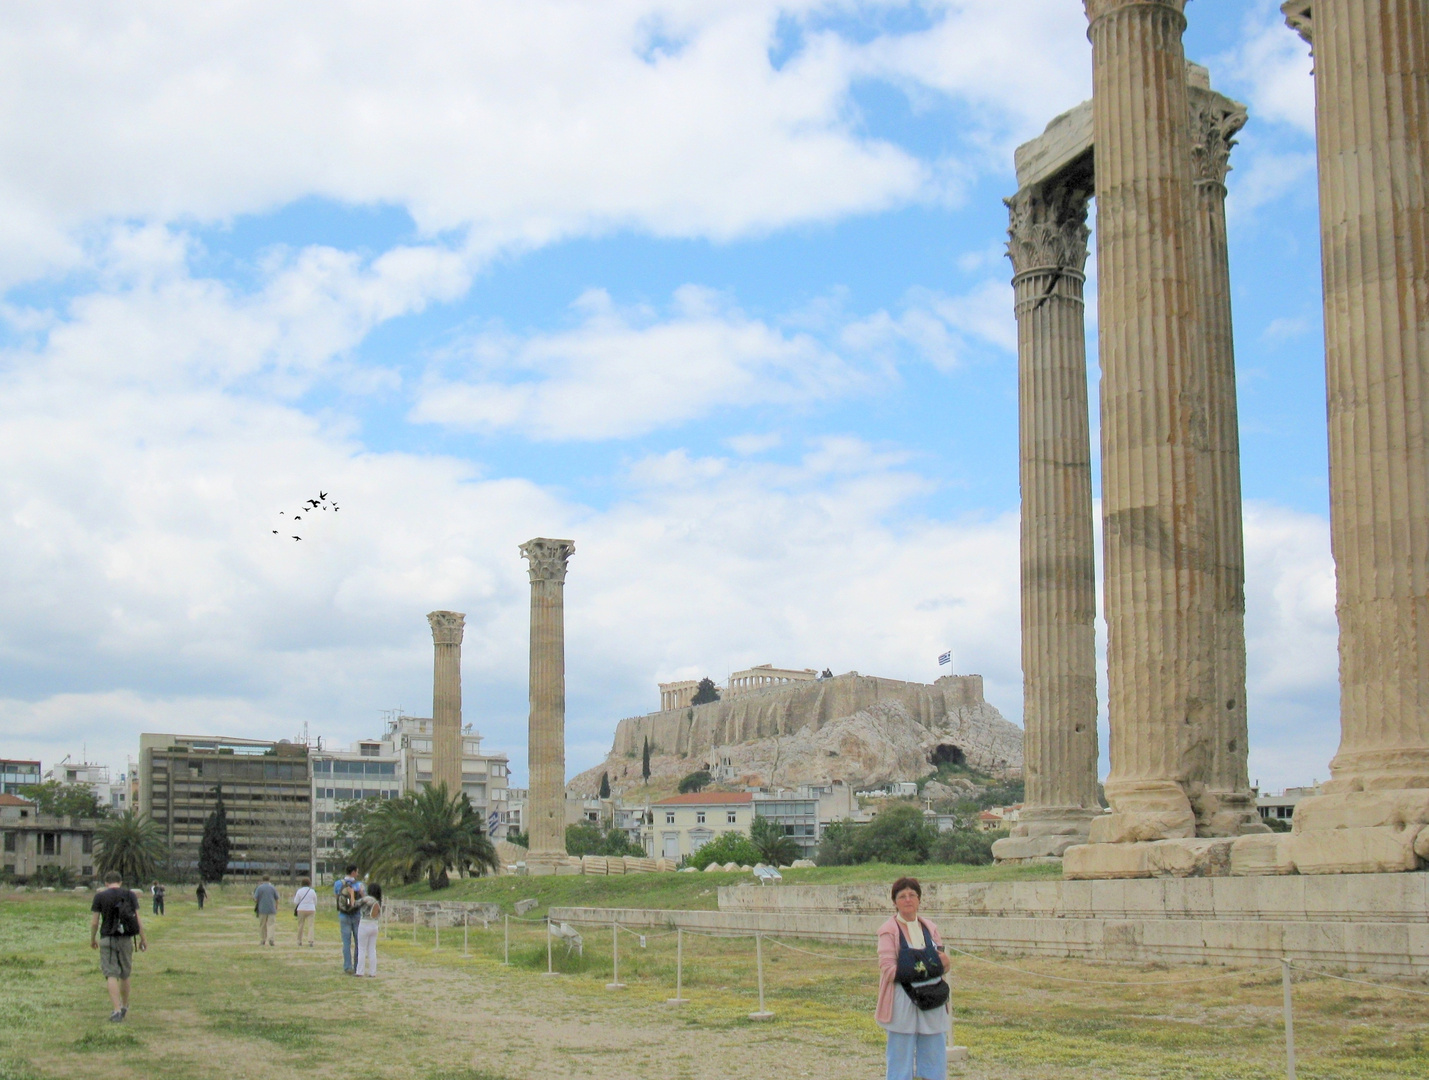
pixel 1215 119
pixel 1098 9
pixel 1299 17
pixel 447 626
pixel 547 558
pixel 1047 228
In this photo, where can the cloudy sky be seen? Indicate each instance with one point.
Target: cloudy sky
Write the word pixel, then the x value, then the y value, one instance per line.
pixel 714 287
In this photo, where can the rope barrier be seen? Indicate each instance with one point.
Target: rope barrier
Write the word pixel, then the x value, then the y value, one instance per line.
pixel 1360 982
pixel 1233 974
pixel 824 956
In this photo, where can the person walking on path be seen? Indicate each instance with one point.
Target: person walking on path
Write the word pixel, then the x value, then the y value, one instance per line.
pixel 157 892
pixel 348 891
pixel 912 990
pixel 112 929
pixel 367 931
pixel 202 894
pixel 305 907
pixel 265 906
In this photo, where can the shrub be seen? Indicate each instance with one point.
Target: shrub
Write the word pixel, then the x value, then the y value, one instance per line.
pixel 732 847
pixel 900 834
pixel 695 781
pixel 970 847
pixel 587 838
pixel 776 847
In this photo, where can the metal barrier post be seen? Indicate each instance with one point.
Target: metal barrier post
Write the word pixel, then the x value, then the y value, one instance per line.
pixel 678 999
pixel 763 1013
pixel 414 924
pixel 506 932
pixel 465 929
pixel 615 983
pixel 1289 1020
pixel 549 969
pixel 437 928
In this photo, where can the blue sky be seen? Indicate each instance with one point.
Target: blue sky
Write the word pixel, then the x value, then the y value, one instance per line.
pixel 715 289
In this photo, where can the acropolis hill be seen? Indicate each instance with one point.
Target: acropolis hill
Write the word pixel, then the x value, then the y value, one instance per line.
pixel 857 728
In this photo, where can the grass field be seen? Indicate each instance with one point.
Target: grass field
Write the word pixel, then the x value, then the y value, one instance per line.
pixel 208 1001
pixel 693 892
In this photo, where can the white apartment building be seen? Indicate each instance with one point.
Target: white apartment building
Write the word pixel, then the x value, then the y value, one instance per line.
pixel 115 796
pixel 369 770
pixel 484 777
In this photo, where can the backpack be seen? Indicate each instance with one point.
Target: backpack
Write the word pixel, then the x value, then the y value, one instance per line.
pixel 348 902
pixel 126 915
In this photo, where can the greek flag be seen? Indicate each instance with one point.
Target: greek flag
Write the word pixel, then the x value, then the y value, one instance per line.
pixel 493 821
pixel 946 658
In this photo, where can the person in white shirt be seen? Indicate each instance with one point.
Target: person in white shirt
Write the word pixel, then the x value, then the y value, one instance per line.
pixel 305 907
pixel 367 931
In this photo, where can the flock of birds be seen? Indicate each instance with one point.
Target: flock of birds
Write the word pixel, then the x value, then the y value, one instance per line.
pixel 309 508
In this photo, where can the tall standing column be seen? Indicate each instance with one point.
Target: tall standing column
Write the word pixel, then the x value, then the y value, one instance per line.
pixel 1048 248
pixel 1372 132
pixel 447 629
pixel 547 748
pixel 1161 677
pixel 1223 800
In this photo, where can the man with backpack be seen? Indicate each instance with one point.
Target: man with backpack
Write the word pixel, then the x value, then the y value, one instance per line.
pixel 348 890
pixel 112 930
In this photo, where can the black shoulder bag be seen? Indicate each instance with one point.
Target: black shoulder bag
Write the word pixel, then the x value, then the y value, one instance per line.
pixel 920 972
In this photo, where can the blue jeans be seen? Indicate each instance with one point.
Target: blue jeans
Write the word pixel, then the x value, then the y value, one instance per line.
pixel 348 921
pixel 922 1056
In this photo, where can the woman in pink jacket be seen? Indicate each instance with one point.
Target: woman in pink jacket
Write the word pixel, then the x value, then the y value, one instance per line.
pixel 912 966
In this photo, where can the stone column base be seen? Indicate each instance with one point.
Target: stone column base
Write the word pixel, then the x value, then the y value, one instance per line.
pixel 1360 832
pixel 546 863
pixel 1228 813
pixel 1144 810
pixel 1044 832
pixel 1261 856
pixel 1015 849
pixel 1181 857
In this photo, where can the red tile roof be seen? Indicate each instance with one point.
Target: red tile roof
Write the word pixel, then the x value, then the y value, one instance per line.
pixel 707 798
pixel 14 800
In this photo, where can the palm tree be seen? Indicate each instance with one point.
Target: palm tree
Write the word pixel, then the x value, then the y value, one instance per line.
pixel 775 848
pixel 132 846
pixel 424 832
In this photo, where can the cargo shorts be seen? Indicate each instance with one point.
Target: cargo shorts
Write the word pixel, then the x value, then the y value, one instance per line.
pixel 116 957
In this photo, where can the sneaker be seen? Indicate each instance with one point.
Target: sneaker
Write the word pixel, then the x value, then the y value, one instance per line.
pixel 124 1012
pixel 116 1016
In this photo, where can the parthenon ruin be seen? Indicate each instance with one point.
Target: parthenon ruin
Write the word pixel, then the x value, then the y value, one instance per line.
pixel 1153 147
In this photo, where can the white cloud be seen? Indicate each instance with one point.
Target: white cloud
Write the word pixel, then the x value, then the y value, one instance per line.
pixel 1273 67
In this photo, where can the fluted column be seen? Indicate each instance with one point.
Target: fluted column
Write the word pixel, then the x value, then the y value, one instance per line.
pixel 447 629
pixel 1223 800
pixel 1153 424
pixel 1372 132
pixel 1048 248
pixel 547 748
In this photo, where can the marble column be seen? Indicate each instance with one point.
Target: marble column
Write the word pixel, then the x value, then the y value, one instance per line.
pixel 1372 133
pixel 1224 803
pixel 1048 247
pixel 447 629
pixel 1158 581
pixel 546 806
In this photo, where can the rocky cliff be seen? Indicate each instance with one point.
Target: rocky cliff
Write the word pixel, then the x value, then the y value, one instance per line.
pixel 856 728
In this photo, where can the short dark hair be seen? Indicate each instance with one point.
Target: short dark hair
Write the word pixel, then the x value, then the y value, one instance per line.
pixel 114 877
pixel 265 877
pixel 907 883
pixel 307 881
pixel 351 868
pixel 375 891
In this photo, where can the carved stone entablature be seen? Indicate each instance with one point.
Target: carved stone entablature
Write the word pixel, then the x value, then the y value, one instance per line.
pixel 447 626
pixel 1048 228
pixel 548 558
pixel 1299 17
pixel 1215 119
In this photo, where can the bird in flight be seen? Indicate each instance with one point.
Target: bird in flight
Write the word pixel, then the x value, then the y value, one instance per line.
pixel 307 507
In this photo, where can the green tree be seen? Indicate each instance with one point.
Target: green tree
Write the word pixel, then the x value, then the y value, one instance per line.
pixel 705 692
pixel 728 847
pixel 969 846
pixel 776 847
pixel 520 839
pixel 695 781
pixel 900 834
pixel 130 845
pixel 605 785
pixel 65 800
pixel 424 833
pixel 214 847
pixel 645 761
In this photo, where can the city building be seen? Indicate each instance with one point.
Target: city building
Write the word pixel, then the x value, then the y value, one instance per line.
pixel 512 810
pixel 16 773
pixel 267 792
pixel 31 843
pixel 113 796
pixel 685 823
pixel 1281 805
pixel 483 776
pixel 764 677
pixel 369 770
pixel 797 816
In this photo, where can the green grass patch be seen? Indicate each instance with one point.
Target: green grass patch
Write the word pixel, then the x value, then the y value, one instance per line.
pixel 692 892
pixel 463 1074
pixel 289 1034
pixel 106 1039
